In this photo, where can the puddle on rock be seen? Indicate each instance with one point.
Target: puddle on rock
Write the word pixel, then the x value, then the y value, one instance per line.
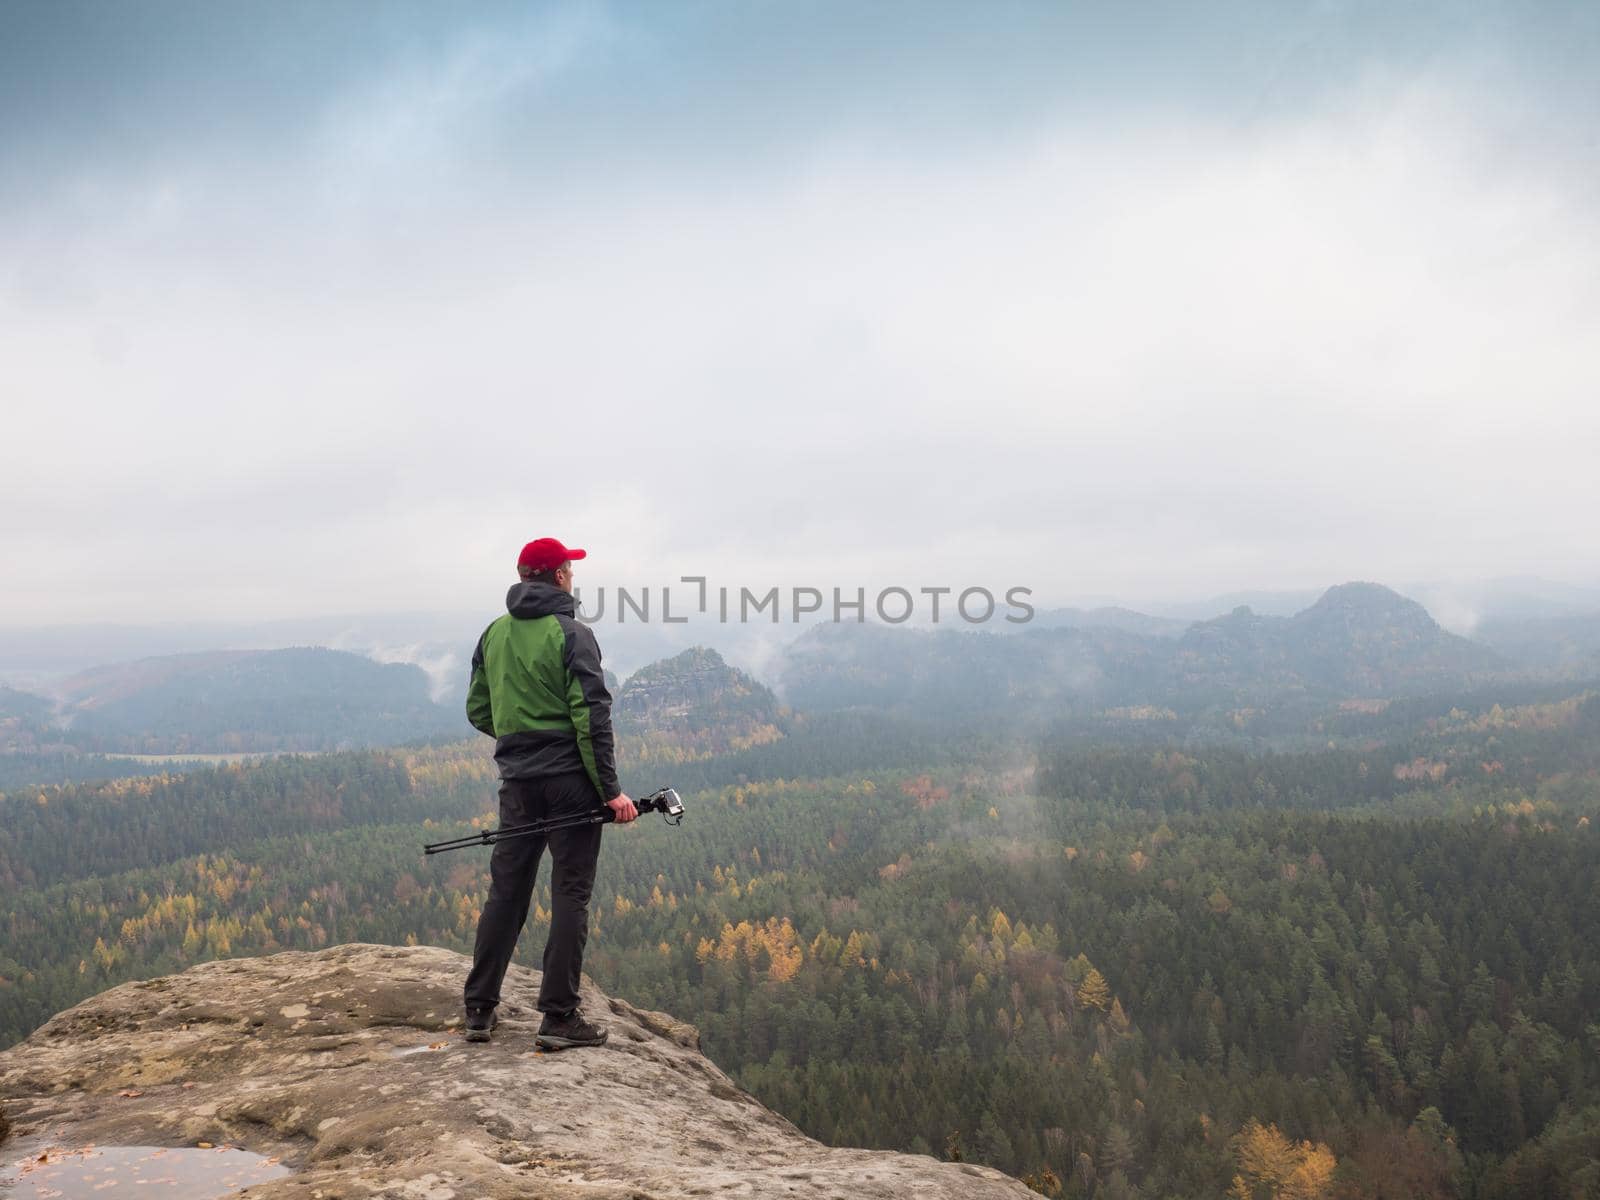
pixel 42 1171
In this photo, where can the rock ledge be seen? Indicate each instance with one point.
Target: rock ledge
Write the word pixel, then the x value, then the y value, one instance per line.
pixel 348 1064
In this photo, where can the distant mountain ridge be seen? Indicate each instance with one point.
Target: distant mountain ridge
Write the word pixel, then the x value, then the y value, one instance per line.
pixel 1567 645
pixel 969 674
pixel 1124 620
pixel 1357 640
pixel 297 699
pixel 106 686
pixel 1360 639
pixel 26 721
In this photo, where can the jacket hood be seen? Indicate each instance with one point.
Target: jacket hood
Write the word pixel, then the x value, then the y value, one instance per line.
pixel 528 599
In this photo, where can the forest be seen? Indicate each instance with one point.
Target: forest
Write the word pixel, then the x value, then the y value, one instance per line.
pixel 1113 970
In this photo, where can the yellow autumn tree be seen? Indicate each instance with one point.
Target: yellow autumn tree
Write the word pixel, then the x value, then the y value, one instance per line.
pixel 747 942
pixel 1000 926
pixel 1094 991
pixel 1119 1019
pixel 854 952
pixel 1272 1165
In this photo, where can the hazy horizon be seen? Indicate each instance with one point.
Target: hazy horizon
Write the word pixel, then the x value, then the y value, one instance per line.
pixel 439 642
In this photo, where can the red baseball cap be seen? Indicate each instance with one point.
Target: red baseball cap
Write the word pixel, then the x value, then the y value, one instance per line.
pixel 544 554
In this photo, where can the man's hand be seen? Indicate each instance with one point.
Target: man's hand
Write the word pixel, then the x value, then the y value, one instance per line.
pixel 623 807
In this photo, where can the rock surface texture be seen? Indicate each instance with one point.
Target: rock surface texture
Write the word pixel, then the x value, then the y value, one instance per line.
pixel 349 1065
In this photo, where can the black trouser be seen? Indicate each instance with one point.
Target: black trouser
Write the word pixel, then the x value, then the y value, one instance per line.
pixel 514 867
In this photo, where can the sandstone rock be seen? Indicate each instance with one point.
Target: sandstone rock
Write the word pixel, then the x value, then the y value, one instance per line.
pixel 349 1064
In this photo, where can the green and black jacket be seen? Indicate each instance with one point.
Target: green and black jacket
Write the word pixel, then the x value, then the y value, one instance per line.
pixel 538 690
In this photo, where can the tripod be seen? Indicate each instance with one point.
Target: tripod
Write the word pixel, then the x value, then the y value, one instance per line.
pixel 665 801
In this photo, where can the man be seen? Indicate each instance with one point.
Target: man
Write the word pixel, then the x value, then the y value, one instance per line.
pixel 538 690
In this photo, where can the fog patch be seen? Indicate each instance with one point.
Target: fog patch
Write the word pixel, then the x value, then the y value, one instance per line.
pixel 446 669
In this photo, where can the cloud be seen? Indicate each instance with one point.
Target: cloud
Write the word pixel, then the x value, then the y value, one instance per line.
pixel 445 670
pixel 1139 353
pixel 401 124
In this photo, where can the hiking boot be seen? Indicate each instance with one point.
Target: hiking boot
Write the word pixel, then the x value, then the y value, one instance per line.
pixel 565 1032
pixel 480 1024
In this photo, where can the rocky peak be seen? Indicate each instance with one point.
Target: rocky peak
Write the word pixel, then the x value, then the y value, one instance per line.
pixel 696 675
pixel 1371 604
pixel 347 1066
pixel 698 699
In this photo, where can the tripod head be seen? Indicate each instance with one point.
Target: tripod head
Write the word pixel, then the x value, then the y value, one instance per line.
pixel 664 801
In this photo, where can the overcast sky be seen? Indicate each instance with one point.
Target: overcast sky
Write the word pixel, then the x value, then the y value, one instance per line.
pixel 320 307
